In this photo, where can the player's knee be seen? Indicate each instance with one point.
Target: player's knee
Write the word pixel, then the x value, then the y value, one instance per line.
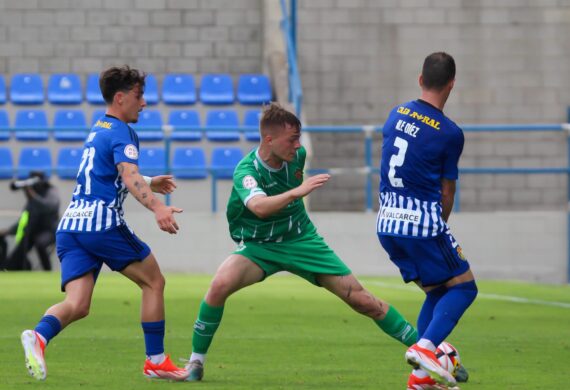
pixel 157 284
pixel 220 289
pixel 80 310
pixel 468 289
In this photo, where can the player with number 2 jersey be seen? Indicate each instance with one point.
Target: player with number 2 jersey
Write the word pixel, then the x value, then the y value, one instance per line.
pixel 420 153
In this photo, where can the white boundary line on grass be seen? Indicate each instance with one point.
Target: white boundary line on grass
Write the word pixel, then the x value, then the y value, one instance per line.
pixel 497 297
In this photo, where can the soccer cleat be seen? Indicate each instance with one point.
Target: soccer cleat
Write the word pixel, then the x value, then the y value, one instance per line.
pixel 164 370
pixel 461 374
pixel 34 350
pixel 415 383
pixel 195 370
pixel 422 358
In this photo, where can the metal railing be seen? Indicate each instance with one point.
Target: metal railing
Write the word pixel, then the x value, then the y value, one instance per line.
pixel 288 25
pixel 369 168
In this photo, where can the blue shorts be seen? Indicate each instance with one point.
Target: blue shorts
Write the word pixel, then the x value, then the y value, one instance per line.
pixel 83 252
pixel 432 261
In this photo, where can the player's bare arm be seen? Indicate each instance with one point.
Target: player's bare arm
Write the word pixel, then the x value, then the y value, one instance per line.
pixel 265 206
pixel 143 193
pixel 447 197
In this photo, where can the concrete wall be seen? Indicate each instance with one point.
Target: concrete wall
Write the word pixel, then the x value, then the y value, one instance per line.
pixel 158 36
pixel 359 58
pixel 503 245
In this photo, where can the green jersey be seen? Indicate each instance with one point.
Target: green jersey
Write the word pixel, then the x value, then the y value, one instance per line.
pixel 253 177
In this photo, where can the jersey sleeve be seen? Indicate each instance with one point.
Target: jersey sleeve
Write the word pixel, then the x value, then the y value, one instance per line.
pixel 451 156
pixel 125 146
pixel 247 183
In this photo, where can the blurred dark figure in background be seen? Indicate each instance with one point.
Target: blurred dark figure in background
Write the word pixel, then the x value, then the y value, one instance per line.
pixel 36 226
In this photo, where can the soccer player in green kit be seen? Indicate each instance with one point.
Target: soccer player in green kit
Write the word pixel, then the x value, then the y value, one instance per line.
pixel 268 221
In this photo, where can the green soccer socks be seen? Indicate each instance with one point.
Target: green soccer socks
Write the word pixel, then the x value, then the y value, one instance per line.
pixel 205 327
pixel 396 326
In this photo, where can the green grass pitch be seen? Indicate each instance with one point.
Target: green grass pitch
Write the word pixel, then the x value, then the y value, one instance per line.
pixel 284 334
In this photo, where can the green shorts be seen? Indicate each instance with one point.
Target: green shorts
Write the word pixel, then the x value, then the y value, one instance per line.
pixel 306 257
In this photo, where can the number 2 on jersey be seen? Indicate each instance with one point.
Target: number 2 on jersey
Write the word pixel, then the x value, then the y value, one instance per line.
pixel 397 160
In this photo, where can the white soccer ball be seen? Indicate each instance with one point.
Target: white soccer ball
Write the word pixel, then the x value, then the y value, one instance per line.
pixel 448 357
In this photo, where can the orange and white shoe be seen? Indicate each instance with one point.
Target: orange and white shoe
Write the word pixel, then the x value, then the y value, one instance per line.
pixel 422 358
pixel 34 350
pixel 416 383
pixel 164 370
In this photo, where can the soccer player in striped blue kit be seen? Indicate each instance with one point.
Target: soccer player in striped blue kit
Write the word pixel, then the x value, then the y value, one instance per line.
pixel 93 232
pixel 420 153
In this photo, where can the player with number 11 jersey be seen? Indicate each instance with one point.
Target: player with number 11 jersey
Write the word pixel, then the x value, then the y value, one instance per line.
pixel 97 202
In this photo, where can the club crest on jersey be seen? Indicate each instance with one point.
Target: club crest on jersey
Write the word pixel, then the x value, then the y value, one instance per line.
pixel 131 152
pixel 299 174
pixel 460 253
pixel 249 182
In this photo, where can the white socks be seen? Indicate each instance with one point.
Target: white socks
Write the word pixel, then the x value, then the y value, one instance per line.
pixel 198 356
pixel 157 359
pixel 425 343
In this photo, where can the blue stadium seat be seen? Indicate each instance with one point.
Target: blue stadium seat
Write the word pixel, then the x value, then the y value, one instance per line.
pixel 254 89
pixel 149 126
pixel 70 125
pixel 224 161
pixel 152 161
pixel 34 159
pixel 222 120
pixel 97 114
pixel 150 90
pixel 4 126
pixel 2 90
pixel 93 91
pixel 26 88
pixel 178 89
pixel 64 89
pixel 31 125
pixel 217 89
pixel 251 119
pixel 182 122
pixel 189 163
pixel 68 160
pixel 6 164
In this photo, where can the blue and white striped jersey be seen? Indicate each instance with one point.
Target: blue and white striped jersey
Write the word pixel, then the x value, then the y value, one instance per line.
pixel 420 147
pixel 97 202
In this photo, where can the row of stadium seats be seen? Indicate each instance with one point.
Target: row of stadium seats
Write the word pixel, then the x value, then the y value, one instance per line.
pixel 186 162
pixel 71 125
pixel 176 89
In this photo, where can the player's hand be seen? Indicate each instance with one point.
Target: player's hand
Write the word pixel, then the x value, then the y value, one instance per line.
pixel 310 184
pixel 163 184
pixel 165 218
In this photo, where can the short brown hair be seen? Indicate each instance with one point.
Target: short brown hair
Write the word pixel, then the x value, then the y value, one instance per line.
pixel 117 79
pixel 438 70
pixel 274 115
